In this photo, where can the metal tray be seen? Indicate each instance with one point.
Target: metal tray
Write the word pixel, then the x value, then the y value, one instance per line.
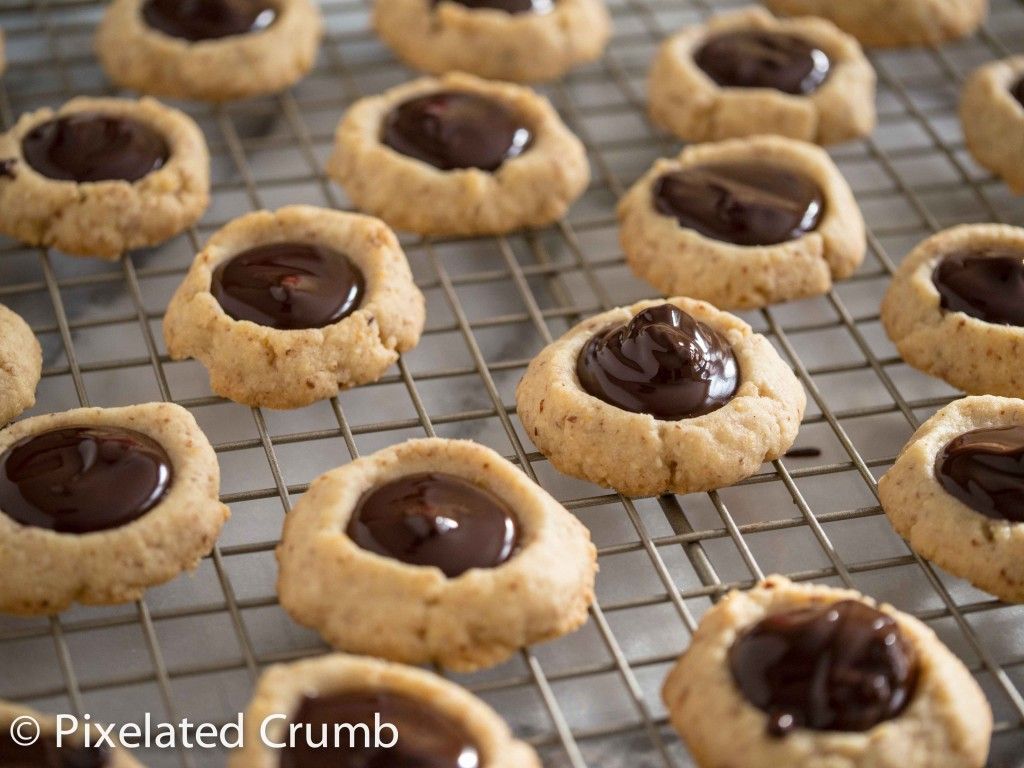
pixel 193 647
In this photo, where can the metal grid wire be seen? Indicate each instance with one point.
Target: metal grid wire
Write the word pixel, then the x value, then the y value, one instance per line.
pixel 194 647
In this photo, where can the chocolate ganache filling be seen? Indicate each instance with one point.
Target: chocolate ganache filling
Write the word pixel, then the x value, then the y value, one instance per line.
pixel 90 146
pixel 425 737
pixel 196 20
pixel 508 6
pixel 984 469
pixel 741 203
pixel 839 667
pixel 1017 91
pixel 288 286
pixel 45 753
pixel 436 519
pixel 662 362
pixel 83 479
pixel 761 59
pixel 453 129
pixel 987 284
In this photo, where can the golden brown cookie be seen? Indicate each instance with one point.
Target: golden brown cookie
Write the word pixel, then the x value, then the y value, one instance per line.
pixel 954 308
pixel 518 40
pixel 97 504
pixel 746 72
pixel 102 176
pixel 956 493
pixel 288 307
pixel 434 551
pixel 892 23
pixel 882 690
pixel 604 404
pixel 432 718
pixel 743 223
pixel 21 363
pixel 217 50
pixel 515 164
pixel 992 117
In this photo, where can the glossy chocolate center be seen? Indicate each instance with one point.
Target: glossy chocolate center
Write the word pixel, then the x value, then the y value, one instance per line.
pixel 841 667
pixel 1017 91
pixel 508 6
pixel 451 130
pixel 988 284
pixel 985 470
pixel 208 19
pixel 759 59
pixel 741 203
pixel 436 519
pixel 45 754
pixel 426 738
pixel 82 479
pixel 288 286
pixel 89 146
pixel 663 362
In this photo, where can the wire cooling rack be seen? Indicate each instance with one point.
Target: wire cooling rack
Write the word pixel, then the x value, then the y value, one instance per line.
pixel 193 648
